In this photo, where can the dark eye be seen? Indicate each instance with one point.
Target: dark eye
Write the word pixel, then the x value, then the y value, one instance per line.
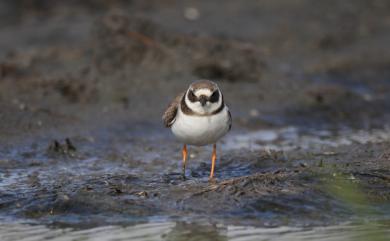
pixel 191 96
pixel 214 97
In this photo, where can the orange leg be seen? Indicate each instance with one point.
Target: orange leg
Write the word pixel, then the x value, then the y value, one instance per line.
pixel 184 152
pixel 213 158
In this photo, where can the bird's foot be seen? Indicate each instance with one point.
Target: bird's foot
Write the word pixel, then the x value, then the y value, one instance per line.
pixel 212 180
pixel 183 177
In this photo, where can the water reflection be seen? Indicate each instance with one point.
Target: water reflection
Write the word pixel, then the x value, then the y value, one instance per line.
pixel 194 232
pixel 187 231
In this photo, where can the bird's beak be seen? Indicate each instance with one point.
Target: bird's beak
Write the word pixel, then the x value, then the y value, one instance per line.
pixel 203 99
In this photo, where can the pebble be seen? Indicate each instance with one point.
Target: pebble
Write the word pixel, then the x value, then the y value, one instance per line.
pixel 191 13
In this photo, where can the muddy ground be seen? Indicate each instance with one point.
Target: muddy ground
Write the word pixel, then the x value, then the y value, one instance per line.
pixel 83 87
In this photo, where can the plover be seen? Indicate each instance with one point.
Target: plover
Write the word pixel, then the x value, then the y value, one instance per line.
pixel 199 117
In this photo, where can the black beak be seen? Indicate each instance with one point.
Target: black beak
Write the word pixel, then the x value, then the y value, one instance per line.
pixel 203 99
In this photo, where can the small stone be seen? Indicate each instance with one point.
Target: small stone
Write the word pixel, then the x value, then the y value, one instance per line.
pixel 254 113
pixel 302 164
pixel 191 13
pixel 66 197
pixel 352 177
pixel 22 106
pixel 142 194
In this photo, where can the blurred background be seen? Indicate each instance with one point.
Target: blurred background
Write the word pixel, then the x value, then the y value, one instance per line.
pixel 83 85
pixel 327 60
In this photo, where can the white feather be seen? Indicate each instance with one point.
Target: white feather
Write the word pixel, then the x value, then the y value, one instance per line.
pixel 206 92
pixel 201 130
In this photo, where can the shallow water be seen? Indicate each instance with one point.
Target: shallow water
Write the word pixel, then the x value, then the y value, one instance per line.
pixel 292 138
pixel 177 231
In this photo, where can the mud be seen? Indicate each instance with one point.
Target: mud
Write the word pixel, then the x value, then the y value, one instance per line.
pixel 83 86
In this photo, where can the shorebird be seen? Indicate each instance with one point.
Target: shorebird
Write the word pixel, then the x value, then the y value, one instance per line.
pixel 199 117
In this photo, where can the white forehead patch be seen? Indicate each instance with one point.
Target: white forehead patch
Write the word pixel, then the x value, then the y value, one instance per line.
pixel 206 92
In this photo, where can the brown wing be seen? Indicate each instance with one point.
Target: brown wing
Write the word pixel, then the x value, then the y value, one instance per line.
pixel 230 120
pixel 170 113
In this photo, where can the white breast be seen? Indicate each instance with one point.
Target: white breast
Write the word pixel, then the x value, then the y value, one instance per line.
pixel 200 130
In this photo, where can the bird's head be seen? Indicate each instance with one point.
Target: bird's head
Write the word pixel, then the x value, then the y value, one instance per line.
pixel 203 97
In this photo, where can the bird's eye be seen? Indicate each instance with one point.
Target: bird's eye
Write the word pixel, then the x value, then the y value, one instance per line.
pixel 214 97
pixel 191 96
